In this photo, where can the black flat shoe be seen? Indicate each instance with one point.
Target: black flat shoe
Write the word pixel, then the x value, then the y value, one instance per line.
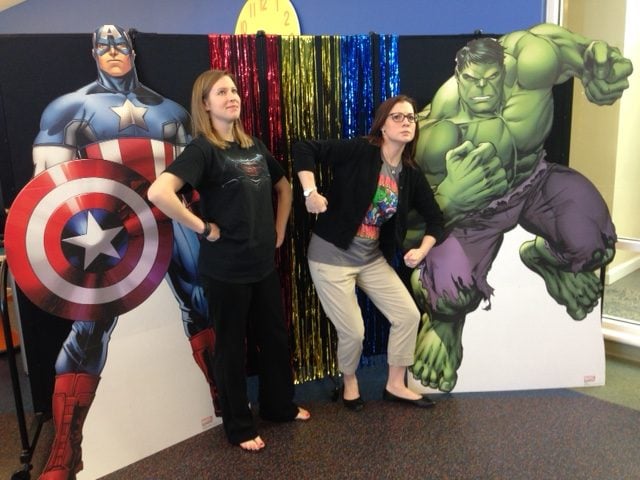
pixel 422 402
pixel 356 404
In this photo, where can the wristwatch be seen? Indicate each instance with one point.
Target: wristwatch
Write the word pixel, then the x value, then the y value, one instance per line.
pixel 308 191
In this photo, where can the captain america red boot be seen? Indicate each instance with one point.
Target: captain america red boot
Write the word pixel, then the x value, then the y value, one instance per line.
pixel 73 394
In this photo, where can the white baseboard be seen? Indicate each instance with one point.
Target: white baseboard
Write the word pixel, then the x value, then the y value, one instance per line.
pixel 622 270
pixel 622 338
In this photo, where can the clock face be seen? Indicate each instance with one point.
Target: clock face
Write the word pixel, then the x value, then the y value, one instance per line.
pixel 272 16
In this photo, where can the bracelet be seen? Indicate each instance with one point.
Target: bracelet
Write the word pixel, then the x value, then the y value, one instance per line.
pixel 207 230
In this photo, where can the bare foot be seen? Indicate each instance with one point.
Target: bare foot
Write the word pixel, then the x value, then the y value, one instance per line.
pixel 253 445
pixel 579 292
pixel 438 353
pixel 303 414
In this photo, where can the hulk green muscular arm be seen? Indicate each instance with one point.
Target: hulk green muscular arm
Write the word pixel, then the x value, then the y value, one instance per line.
pixel 487 123
pixel 547 52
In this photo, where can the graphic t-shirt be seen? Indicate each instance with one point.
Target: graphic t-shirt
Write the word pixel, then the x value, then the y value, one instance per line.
pixel 364 246
pixel 235 187
pixel 383 206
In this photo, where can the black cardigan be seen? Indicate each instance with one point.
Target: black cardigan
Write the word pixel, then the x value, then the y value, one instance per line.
pixel 355 166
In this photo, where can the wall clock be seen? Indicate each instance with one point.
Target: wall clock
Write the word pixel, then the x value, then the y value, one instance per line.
pixel 272 16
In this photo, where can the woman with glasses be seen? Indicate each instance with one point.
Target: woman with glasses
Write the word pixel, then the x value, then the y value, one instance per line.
pixel 361 225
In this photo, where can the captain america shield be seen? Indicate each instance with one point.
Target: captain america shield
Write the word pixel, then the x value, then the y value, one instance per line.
pixel 83 243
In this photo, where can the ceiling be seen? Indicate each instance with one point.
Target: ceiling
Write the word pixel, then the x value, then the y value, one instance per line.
pixel 4 4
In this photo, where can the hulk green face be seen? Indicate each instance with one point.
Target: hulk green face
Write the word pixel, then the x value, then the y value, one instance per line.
pixel 480 86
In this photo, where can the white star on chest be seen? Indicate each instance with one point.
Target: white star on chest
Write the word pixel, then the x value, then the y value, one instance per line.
pixel 95 241
pixel 130 115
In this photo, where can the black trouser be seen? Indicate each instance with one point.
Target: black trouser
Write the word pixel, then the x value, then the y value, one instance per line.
pixel 230 306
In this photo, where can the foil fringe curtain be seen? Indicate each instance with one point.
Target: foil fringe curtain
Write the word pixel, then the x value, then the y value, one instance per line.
pixel 296 87
pixel 311 102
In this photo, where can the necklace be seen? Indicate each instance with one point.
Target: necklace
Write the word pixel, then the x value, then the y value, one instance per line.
pixel 393 168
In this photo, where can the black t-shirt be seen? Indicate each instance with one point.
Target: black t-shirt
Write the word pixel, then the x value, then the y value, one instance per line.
pixel 235 187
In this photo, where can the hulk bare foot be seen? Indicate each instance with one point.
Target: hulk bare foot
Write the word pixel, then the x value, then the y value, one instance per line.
pixel 438 353
pixel 578 292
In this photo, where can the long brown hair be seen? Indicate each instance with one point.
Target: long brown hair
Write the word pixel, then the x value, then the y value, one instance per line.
pixel 375 133
pixel 201 122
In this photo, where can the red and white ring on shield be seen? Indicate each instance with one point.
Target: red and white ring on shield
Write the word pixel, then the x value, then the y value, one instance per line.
pixel 83 243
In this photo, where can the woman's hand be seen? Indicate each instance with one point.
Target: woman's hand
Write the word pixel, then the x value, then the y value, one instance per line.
pixel 316 203
pixel 414 256
pixel 214 234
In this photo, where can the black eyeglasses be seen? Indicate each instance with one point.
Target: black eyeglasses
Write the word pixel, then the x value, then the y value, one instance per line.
pixel 399 117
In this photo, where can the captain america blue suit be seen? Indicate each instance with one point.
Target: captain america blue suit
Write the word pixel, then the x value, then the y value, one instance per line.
pixel 116 118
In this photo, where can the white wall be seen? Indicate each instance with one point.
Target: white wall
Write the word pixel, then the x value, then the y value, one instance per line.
pixel 604 139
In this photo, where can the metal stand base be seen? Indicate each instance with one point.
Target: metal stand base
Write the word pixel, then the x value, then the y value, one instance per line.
pixel 28 445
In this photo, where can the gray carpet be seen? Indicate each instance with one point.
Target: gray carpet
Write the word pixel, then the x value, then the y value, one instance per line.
pixel 530 435
pixel 622 298
pixel 589 433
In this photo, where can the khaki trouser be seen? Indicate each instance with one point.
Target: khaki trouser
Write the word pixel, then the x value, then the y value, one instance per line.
pixel 335 286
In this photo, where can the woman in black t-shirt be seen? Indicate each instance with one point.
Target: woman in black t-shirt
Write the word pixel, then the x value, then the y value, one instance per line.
pixel 235 176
